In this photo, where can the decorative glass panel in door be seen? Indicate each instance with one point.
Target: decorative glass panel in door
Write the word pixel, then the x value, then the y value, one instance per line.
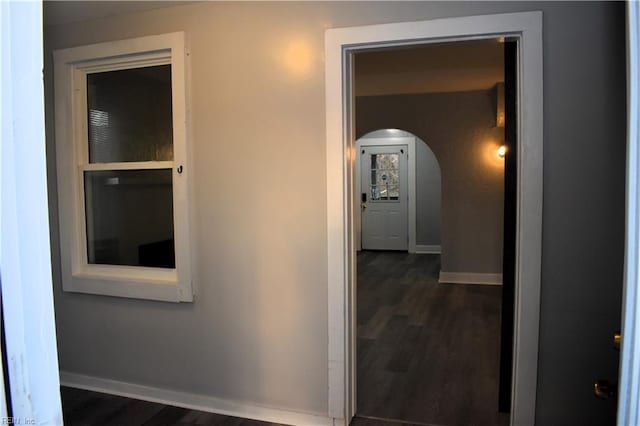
pixel 385 180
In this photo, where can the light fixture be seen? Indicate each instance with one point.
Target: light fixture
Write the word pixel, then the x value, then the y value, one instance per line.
pixel 502 151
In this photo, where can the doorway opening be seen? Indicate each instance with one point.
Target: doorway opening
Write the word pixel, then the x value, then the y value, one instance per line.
pixel 428 325
pixel 342 45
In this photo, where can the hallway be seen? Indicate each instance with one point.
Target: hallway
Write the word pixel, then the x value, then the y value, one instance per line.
pixel 427 352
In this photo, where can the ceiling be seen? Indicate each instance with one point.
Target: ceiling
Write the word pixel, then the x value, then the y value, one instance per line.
pixel 65 12
pixel 446 67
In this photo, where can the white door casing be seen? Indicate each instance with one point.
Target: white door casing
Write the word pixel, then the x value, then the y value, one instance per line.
pixel 383 174
pixel 25 248
pixel 629 380
pixel 340 46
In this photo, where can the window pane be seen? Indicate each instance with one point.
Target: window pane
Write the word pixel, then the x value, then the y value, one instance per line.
pixel 130 115
pixel 385 179
pixel 384 161
pixel 393 192
pixel 375 193
pixel 130 217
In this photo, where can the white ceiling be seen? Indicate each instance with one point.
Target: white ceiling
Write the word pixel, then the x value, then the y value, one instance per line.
pixel 447 67
pixel 65 12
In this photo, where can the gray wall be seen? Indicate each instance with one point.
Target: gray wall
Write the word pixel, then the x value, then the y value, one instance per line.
pixel 428 187
pixel 428 196
pixel 459 128
pixel 257 331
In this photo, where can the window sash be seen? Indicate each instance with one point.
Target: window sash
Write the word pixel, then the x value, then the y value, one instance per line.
pixel 72 66
pixel 131 165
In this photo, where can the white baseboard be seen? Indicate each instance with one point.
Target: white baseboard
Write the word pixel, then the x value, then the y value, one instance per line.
pixel 427 249
pixel 193 401
pixel 470 278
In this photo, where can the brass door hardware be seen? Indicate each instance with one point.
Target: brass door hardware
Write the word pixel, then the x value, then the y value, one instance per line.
pixel 603 389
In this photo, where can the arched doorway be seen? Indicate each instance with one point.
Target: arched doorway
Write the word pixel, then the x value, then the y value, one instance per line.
pixel 399 186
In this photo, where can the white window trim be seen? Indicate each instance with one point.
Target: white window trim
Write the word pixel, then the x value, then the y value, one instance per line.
pixel 71 67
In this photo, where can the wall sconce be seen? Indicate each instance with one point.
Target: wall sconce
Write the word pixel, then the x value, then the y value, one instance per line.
pixel 502 151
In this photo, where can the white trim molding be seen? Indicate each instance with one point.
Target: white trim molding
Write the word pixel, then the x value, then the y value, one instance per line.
pixel 340 46
pixel 29 328
pixel 469 278
pixel 428 249
pixel 629 388
pixel 193 401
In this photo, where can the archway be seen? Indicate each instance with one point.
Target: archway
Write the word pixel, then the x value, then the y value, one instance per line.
pixel 425 189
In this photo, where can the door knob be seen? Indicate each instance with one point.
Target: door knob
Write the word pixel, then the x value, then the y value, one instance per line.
pixel 617 339
pixel 603 389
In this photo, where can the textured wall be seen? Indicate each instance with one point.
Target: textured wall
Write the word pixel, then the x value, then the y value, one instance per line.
pixel 257 331
pixel 459 128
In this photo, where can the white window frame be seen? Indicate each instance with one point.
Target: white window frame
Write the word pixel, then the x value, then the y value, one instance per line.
pixel 71 67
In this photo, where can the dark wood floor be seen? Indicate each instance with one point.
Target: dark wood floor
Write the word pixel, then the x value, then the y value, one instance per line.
pixel 86 408
pixel 427 352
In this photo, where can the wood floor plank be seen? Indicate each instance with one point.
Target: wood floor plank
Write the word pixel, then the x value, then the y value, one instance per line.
pixel 86 408
pixel 134 412
pixel 94 410
pixel 365 421
pixel 429 351
pixel 168 415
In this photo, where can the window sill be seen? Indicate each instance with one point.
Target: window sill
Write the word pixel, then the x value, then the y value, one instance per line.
pixel 157 283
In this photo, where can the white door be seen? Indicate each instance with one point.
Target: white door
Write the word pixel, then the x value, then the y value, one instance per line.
pixel 383 174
